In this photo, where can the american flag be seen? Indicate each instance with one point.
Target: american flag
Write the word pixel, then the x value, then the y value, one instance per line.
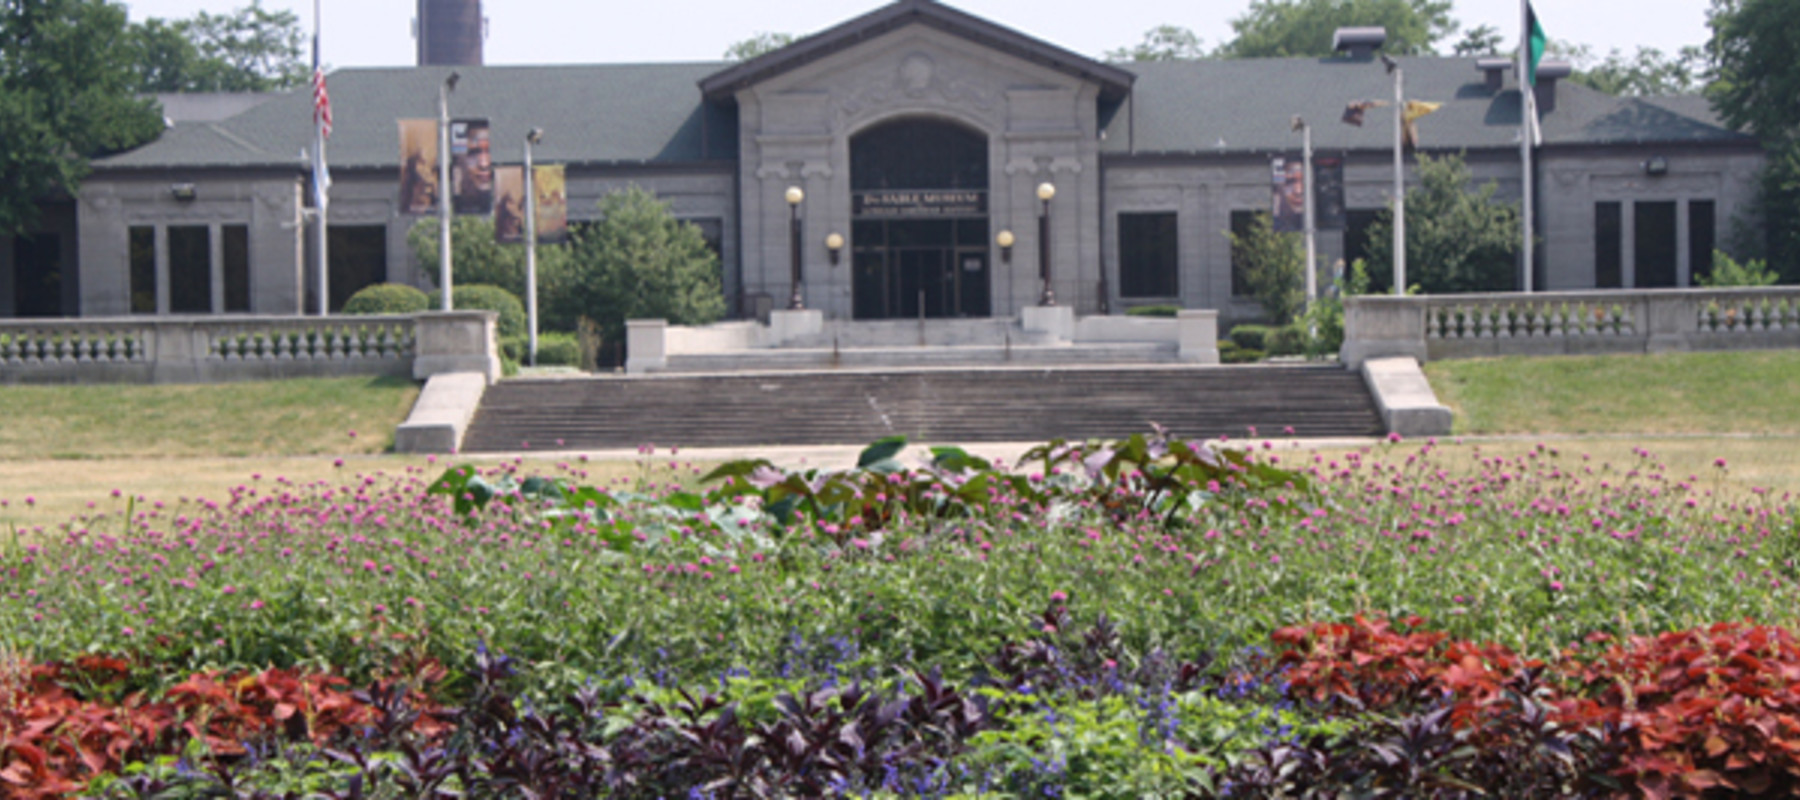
pixel 321 103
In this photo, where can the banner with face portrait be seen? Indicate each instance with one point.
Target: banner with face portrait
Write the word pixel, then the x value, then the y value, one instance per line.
pixel 1328 193
pixel 1287 178
pixel 471 167
pixel 418 166
pixel 550 184
pixel 509 205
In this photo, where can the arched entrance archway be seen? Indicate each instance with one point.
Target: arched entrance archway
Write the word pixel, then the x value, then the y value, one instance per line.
pixel 919 233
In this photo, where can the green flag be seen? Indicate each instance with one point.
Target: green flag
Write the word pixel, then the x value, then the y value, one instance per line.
pixel 1534 44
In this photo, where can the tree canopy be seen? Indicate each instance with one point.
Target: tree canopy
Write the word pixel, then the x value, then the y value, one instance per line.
pixel 252 49
pixel 757 45
pixel 66 81
pixel 640 262
pixel 1281 28
pixel 1162 43
pixel 1755 50
pixel 1456 240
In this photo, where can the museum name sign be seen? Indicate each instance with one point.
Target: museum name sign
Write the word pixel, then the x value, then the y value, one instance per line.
pixel 919 204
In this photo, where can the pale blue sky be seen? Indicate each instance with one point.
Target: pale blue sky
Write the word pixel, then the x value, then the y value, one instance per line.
pixel 379 32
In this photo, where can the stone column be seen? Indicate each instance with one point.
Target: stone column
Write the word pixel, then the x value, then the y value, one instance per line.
pixel 1379 326
pixel 456 341
pixel 646 346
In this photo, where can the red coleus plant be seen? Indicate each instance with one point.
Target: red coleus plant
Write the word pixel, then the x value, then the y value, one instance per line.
pixel 54 738
pixel 1713 712
pixel 1706 713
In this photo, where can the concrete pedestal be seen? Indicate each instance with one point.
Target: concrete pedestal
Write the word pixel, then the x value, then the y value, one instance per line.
pixel 1058 322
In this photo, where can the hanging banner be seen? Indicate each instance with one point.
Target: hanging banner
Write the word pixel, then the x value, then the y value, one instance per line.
pixel 418 166
pixel 509 205
pixel 471 168
pixel 1328 193
pixel 550 184
pixel 1288 190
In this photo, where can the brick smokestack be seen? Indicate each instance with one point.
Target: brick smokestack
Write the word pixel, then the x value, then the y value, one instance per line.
pixel 450 32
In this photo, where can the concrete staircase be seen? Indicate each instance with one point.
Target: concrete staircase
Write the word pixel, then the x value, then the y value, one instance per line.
pixel 948 406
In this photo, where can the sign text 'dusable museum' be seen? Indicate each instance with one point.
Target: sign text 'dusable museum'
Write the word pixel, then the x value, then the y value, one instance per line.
pixel 919 204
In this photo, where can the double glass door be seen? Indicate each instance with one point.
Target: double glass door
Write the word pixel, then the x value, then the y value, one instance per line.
pixel 930 268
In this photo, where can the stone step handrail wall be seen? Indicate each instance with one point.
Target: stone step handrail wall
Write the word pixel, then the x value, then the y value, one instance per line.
pixel 205 349
pixel 1430 327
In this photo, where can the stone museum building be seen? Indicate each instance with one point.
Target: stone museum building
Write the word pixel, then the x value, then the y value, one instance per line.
pixel 922 141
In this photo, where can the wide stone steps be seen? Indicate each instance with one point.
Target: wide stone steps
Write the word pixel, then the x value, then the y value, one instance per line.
pixel 790 359
pixel 939 406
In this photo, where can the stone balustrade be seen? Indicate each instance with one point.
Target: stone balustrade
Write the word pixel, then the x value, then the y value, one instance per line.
pixel 1554 323
pixel 228 348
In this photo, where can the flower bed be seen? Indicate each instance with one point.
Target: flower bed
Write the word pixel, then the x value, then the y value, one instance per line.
pixel 1136 618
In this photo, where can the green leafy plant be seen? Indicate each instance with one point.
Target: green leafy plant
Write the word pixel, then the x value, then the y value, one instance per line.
pixel 1728 271
pixel 1274 267
pixel 387 298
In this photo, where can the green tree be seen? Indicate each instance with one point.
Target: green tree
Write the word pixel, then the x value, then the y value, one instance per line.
pixel 1283 28
pixel 1162 43
pixel 1274 267
pixel 480 261
pixel 252 49
pixel 640 262
pixel 1648 72
pixel 1457 240
pixel 1755 52
pixel 1479 41
pixel 757 45
pixel 66 96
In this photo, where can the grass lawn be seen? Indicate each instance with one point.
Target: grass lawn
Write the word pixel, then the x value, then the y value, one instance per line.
pixel 1670 393
pixel 273 418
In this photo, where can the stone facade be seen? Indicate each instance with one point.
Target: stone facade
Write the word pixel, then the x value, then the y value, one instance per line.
pixel 1040 126
pixel 724 154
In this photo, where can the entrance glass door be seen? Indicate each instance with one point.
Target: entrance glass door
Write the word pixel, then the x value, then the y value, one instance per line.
pixel 939 267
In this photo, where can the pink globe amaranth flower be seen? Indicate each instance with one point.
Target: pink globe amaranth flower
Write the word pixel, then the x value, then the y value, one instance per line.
pixel 1556 586
pixel 1394 437
pixel 1059 596
pixel 128 631
pixel 1718 462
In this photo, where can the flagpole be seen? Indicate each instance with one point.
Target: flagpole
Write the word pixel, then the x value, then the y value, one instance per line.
pixel 1399 180
pixel 321 190
pixel 1527 115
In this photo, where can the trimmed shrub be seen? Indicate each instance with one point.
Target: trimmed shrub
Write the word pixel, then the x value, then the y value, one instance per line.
pixel 558 349
pixel 1250 337
pixel 1152 311
pixel 1231 353
pixel 1287 340
pixel 555 348
pixel 387 298
pixel 489 298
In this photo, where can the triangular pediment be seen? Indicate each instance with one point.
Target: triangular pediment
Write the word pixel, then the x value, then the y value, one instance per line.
pixel 1114 82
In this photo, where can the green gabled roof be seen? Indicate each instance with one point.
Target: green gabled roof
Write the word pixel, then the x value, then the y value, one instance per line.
pixel 654 114
pixel 607 114
pixel 1245 105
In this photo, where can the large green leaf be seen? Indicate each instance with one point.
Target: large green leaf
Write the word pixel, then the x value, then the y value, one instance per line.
pixel 883 450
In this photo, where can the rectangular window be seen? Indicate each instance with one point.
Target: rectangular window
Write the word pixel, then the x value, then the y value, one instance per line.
pixel 1241 222
pixel 143 269
pixel 1609 258
pixel 237 268
pixel 190 269
pixel 1703 237
pixel 1148 262
pixel 358 260
pixel 1357 225
pixel 1654 236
